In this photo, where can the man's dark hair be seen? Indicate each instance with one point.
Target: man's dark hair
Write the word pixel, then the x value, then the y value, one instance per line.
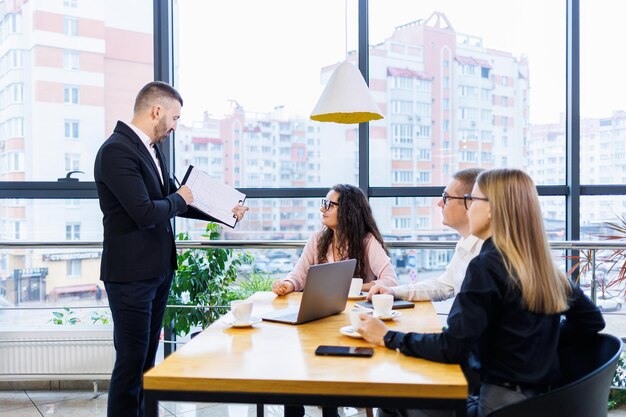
pixel 354 222
pixel 155 91
pixel 467 177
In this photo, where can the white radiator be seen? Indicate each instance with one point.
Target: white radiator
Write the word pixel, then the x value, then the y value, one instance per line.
pixel 56 352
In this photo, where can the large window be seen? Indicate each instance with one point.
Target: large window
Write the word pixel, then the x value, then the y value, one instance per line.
pixel 602 102
pixel 42 103
pixel 488 90
pixel 249 85
pixel 481 107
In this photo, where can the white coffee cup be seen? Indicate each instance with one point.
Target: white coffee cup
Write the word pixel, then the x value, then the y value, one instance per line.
pixel 382 304
pixel 355 287
pixel 355 321
pixel 241 310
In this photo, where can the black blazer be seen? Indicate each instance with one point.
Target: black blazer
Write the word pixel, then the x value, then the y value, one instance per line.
pixel 138 240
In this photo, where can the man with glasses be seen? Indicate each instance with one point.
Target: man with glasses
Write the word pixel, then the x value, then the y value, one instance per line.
pixel 453 204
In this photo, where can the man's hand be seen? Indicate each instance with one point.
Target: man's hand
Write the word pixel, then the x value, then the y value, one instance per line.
pixel 239 211
pixel 372 329
pixel 282 287
pixel 379 289
pixel 185 193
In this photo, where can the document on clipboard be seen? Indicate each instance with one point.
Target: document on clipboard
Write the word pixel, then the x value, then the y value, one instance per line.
pixel 212 196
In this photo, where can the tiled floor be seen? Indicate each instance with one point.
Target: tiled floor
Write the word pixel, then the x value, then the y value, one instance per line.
pixel 83 404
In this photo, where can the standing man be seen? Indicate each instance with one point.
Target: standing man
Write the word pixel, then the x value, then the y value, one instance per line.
pixel 138 198
pixel 448 284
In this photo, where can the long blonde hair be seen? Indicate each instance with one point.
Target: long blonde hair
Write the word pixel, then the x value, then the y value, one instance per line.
pixel 517 232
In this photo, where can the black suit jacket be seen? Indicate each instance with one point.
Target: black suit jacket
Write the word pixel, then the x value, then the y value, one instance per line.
pixel 138 240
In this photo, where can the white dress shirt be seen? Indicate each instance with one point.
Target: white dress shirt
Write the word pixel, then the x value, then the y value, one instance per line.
pixel 148 143
pixel 448 284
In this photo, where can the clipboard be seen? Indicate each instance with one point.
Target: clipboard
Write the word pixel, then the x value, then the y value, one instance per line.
pixel 213 197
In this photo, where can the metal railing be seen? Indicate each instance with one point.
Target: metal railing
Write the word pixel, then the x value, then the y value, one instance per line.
pixel 297 244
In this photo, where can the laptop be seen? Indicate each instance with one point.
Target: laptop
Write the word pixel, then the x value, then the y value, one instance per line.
pixel 325 293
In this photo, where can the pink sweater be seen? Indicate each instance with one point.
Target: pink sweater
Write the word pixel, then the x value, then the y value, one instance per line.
pixel 378 264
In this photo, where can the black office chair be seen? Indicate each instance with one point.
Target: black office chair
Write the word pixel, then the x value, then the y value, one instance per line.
pixel 587 367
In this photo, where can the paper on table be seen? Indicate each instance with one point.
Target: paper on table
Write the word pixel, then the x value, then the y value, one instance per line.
pixel 213 197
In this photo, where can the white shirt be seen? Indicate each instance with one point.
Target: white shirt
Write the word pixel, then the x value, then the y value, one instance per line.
pixel 448 284
pixel 148 143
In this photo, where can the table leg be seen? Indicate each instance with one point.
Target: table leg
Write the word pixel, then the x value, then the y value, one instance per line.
pixel 150 404
pixel 460 410
pixel 260 410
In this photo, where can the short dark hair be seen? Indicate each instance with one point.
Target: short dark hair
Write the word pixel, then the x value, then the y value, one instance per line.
pixel 467 178
pixel 155 91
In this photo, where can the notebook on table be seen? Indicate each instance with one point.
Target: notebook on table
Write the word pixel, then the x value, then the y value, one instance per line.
pixel 325 293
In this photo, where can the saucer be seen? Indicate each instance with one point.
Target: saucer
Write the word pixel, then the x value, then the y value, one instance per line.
pixel 361 296
pixel 233 323
pixel 391 316
pixel 350 332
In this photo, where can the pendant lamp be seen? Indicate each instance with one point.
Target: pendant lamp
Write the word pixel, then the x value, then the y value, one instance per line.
pixel 346 98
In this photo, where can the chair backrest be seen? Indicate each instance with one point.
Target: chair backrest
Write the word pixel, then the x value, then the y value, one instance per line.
pixel 587 368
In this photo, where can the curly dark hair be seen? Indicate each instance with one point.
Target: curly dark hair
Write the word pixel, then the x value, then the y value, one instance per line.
pixel 354 221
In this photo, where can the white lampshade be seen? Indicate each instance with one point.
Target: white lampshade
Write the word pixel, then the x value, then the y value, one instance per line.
pixel 346 98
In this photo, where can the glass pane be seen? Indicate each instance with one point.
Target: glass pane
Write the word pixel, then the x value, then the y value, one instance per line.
pixel 268 219
pixel 249 85
pixel 598 210
pixel 51 277
pixel 419 218
pixel 455 83
pixel 602 105
pixel 27 220
pixel 68 72
pixel 597 215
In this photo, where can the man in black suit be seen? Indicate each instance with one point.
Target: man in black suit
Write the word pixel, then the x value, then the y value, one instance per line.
pixel 138 199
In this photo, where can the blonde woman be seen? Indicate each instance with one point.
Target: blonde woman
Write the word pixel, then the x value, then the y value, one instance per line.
pixel 506 320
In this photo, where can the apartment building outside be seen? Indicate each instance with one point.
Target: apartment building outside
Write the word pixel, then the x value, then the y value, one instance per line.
pixel 67 74
pixel 603 161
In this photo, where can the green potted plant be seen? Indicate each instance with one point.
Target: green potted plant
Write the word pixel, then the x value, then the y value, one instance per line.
pixel 256 282
pixel 202 284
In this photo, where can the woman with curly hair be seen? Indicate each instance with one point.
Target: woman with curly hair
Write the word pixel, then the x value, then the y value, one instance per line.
pixel 348 231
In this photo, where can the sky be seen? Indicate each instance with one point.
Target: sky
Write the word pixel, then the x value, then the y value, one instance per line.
pixel 269 53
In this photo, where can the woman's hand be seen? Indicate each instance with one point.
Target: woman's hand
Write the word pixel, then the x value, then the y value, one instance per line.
pixel 282 287
pixel 372 329
pixel 379 289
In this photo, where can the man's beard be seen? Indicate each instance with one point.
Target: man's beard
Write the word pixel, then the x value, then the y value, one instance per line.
pixel 158 132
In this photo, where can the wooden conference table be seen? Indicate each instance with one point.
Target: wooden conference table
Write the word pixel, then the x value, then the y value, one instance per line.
pixel 273 363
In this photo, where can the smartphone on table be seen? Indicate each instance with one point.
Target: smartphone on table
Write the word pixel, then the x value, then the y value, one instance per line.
pixel 362 352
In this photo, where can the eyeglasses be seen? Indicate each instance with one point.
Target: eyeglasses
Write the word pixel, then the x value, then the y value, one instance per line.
pixel 327 204
pixel 445 197
pixel 471 198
